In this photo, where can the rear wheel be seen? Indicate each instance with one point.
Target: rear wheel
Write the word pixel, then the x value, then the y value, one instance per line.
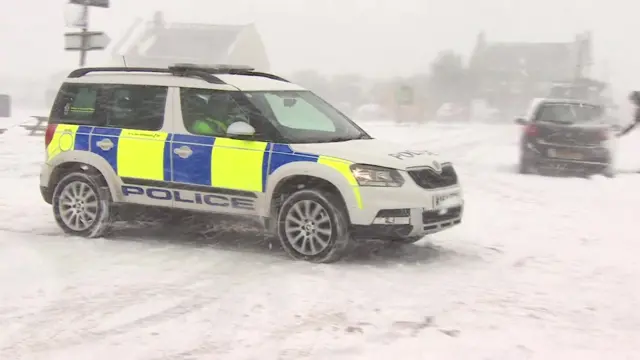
pixel 526 166
pixel 313 226
pixel 78 206
pixel 609 172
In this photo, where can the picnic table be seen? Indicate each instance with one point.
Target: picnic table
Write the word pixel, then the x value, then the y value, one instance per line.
pixel 39 127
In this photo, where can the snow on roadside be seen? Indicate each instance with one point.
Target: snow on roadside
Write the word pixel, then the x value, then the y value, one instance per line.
pixel 541 268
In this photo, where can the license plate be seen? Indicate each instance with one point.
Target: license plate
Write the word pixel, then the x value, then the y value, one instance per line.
pixel 446 200
pixel 563 154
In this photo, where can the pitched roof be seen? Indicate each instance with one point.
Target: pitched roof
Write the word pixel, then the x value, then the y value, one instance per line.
pixel 191 41
pixel 162 44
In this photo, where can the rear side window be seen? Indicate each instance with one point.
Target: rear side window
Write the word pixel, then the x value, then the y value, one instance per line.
pixel 137 107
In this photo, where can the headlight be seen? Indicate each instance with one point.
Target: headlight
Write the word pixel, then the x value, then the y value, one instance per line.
pixel 369 175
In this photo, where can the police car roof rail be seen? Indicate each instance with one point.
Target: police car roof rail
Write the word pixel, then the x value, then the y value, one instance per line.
pixel 213 69
pixel 260 74
pixel 203 72
pixel 222 69
pixel 177 72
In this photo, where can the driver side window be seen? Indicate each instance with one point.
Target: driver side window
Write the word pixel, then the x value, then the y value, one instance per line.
pixel 209 112
pixel 297 113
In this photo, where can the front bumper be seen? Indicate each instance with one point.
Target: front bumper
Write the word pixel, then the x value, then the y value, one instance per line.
pixel 408 211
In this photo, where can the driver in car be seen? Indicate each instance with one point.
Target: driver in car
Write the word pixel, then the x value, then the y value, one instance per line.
pixel 217 117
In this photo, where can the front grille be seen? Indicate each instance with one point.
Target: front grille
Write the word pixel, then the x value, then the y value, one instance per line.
pixel 434 216
pixel 430 179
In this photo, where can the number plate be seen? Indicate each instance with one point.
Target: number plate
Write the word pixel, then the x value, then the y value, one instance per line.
pixel 447 200
pixel 563 154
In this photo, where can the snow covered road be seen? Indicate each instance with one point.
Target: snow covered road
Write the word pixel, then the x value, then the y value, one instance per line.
pixel 541 268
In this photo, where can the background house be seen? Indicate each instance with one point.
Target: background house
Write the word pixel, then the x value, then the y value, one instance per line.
pixel 507 75
pixel 158 43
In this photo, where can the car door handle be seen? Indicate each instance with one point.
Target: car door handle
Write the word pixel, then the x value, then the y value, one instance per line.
pixel 105 144
pixel 183 151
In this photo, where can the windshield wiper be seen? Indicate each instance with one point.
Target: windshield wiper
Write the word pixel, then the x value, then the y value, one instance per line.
pixel 337 139
pixel 345 138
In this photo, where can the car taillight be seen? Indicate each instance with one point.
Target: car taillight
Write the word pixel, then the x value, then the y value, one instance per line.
pixel 531 130
pixel 48 134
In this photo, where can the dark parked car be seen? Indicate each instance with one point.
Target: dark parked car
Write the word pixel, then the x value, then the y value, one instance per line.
pixel 567 136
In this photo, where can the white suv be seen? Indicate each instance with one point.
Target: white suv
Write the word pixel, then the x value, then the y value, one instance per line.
pixel 230 140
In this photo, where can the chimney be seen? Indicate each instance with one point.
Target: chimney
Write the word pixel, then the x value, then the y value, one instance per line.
pixel 158 19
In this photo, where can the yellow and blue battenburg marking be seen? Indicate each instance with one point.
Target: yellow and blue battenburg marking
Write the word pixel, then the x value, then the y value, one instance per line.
pixel 189 159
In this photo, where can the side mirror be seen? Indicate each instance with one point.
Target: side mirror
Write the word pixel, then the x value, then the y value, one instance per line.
pixel 521 121
pixel 240 130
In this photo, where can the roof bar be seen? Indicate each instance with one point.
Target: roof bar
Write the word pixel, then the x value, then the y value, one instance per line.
pixel 84 71
pixel 203 72
pixel 188 73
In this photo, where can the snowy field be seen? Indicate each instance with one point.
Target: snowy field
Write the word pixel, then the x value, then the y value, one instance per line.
pixel 541 268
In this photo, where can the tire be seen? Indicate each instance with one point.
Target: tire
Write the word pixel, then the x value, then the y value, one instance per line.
pixel 526 167
pixel 64 199
pixel 609 172
pixel 330 213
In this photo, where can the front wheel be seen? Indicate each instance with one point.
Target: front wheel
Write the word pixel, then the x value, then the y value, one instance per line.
pixel 313 226
pixel 79 207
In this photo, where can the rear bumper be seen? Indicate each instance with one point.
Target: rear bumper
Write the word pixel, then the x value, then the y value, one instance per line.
pixel 46 194
pixel 554 154
pixel 593 160
pixel 45 175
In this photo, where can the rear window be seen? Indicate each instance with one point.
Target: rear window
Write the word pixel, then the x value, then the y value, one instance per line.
pixel 573 113
pixel 137 107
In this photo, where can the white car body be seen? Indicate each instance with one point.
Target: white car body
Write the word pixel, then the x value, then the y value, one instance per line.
pixel 422 210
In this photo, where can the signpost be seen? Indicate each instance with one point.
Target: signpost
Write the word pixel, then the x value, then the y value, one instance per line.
pixel 404 95
pixel 93 40
pixel 85 40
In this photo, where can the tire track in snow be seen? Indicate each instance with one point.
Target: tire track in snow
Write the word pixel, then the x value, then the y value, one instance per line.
pixel 54 332
pixel 49 330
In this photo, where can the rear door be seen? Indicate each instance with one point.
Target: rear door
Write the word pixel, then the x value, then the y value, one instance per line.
pixel 125 126
pixel 135 141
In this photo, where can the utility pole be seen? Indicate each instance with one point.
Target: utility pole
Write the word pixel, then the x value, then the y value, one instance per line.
pixel 85 40
pixel 85 28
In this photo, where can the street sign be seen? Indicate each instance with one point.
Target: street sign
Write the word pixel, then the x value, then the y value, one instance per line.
pixel 96 40
pixel 94 3
pixel 404 95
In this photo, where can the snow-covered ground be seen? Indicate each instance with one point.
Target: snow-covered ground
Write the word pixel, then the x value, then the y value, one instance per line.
pixel 541 268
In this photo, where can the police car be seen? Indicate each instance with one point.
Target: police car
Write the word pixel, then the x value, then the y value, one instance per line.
pixel 122 136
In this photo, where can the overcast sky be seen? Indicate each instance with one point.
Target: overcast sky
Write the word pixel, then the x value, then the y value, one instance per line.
pixel 375 37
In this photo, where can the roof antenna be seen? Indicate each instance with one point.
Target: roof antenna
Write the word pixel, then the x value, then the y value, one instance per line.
pixel 124 60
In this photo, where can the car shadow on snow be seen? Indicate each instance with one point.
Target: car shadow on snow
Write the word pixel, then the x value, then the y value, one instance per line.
pixel 513 169
pixel 246 238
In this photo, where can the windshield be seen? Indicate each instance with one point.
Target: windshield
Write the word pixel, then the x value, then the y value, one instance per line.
pixel 303 117
pixel 570 113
